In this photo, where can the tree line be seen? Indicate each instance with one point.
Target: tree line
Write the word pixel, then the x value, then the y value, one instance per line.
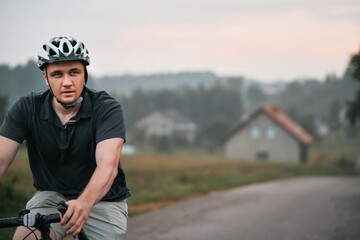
pixel 213 109
pixel 218 106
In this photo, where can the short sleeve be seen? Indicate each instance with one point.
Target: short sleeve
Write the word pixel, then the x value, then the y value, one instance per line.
pixel 16 121
pixel 109 121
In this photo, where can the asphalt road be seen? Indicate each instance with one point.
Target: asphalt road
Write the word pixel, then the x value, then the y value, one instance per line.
pixel 313 208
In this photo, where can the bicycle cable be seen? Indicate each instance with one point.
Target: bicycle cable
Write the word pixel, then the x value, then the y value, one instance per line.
pixel 32 231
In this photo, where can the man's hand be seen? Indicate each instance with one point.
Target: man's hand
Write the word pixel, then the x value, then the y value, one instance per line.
pixel 75 216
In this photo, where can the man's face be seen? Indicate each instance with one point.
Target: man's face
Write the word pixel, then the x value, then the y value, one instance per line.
pixel 66 79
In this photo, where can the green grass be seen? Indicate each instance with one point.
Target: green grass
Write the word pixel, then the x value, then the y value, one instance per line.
pixel 337 144
pixel 166 179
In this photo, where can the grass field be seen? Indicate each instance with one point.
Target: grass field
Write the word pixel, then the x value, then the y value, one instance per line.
pixel 168 178
pixel 156 181
pixel 159 180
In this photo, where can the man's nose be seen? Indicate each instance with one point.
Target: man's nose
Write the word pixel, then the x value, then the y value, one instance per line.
pixel 67 80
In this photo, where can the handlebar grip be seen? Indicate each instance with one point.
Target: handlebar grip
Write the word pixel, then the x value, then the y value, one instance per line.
pixel 11 222
pixel 52 218
pixel 62 207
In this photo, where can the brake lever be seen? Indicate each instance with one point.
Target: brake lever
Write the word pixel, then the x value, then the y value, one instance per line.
pixel 62 207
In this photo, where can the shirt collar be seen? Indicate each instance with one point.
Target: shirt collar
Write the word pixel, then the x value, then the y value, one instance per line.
pixel 47 112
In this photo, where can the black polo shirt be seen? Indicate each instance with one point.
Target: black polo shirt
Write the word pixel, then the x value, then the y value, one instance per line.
pixel 62 157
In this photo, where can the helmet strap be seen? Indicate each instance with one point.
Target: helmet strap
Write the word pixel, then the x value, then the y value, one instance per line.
pixel 70 105
pixel 86 73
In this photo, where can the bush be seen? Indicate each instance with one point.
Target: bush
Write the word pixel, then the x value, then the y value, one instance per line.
pixel 11 203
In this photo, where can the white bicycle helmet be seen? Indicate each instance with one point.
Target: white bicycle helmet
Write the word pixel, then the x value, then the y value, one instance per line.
pixel 62 49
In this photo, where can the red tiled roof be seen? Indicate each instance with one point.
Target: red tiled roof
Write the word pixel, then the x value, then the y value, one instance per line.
pixel 280 118
pixel 293 128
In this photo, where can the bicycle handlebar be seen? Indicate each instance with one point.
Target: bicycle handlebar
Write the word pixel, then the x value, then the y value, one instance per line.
pixel 28 219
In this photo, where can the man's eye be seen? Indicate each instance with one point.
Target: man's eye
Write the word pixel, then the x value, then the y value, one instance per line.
pixel 74 72
pixel 56 75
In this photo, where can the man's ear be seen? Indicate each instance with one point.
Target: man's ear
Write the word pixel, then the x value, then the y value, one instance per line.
pixel 45 77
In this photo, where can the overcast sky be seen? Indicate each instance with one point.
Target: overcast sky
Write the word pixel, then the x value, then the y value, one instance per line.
pixel 260 39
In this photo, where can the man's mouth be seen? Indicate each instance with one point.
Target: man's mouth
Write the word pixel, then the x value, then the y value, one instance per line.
pixel 68 92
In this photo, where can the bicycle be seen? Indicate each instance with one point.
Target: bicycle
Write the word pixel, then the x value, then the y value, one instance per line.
pixel 39 222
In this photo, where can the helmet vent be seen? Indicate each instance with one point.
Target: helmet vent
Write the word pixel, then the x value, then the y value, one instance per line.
pixel 65 48
pixel 56 43
pixel 52 52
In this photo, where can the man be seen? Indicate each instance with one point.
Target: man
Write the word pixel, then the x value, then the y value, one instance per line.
pixel 74 138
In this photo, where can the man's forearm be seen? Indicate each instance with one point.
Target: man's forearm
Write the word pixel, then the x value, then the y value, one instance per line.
pixel 107 158
pixel 99 183
pixel 8 150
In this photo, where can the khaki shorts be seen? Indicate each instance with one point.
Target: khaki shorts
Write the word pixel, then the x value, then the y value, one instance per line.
pixel 107 220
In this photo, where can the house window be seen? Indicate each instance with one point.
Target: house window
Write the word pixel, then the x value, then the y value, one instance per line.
pixel 262 155
pixel 270 133
pixel 255 132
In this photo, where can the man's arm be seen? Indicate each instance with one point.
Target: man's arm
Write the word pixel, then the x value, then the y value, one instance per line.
pixel 107 158
pixel 8 150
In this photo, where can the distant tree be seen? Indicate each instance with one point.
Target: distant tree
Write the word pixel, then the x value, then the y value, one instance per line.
pixel 138 135
pixel 20 80
pixel 353 106
pixel 235 83
pixel 162 143
pixel 314 96
pixel 334 115
pixel 210 136
pixel 293 113
pixel 256 96
pixel 354 66
pixel 201 105
pixel 3 106
pixel 6 79
pixel 179 140
pixel 204 105
pixel 306 121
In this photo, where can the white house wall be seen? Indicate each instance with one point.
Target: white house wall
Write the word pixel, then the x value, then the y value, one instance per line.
pixel 281 148
pixel 156 125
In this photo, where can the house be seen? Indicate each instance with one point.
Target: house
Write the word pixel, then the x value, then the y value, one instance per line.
pixel 167 123
pixel 268 134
